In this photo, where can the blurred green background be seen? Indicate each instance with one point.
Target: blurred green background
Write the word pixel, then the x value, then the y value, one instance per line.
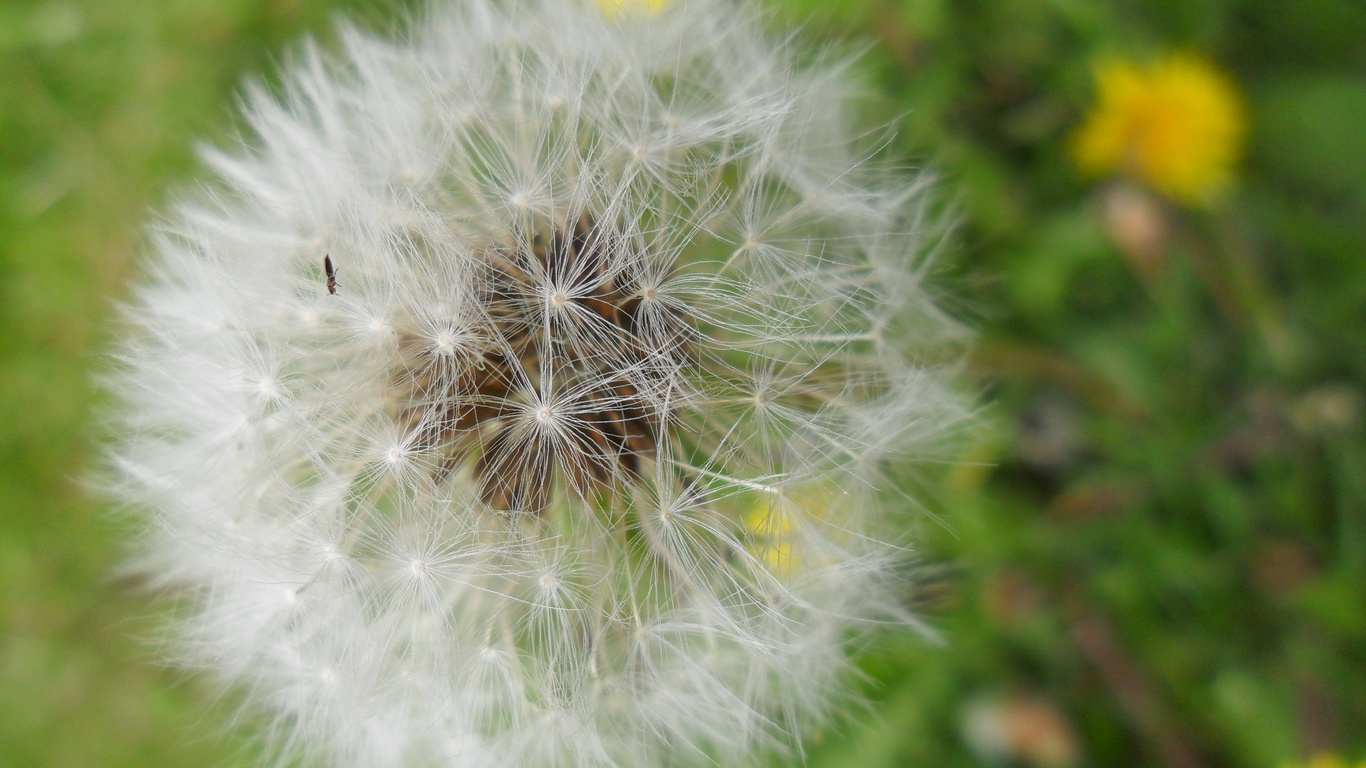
pixel 1152 554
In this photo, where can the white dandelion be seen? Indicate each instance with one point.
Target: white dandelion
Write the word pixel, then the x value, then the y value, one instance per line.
pixel 525 389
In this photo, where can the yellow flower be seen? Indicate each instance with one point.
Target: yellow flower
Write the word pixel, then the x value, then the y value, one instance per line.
pixel 1176 124
pixel 1324 760
pixel 771 533
pixel 777 528
pixel 618 8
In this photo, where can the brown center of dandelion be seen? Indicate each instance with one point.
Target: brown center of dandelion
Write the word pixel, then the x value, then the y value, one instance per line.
pixel 566 367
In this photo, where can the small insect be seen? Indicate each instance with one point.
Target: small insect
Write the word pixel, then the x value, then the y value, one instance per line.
pixel 331 274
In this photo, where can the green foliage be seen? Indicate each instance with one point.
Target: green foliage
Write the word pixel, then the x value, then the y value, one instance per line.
pixel 1159 540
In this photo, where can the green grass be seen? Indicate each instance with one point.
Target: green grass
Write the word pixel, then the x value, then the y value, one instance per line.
pixel 1159 537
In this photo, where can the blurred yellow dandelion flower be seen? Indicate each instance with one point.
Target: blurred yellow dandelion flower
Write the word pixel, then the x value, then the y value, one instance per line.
pixel 1324 760
pixel 774 527
pixel 617 8
pixel 1177 124
pixel 779 529
pixel 771 538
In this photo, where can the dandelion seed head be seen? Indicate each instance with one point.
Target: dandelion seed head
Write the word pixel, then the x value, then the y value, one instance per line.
pixel 586 461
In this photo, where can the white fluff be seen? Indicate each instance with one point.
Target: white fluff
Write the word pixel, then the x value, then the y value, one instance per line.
pixel 349 563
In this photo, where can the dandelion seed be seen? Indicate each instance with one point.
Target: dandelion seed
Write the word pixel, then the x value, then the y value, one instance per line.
pixel 585 469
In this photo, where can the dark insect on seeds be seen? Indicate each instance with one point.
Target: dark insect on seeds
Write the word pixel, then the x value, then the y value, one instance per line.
pixel 331 275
